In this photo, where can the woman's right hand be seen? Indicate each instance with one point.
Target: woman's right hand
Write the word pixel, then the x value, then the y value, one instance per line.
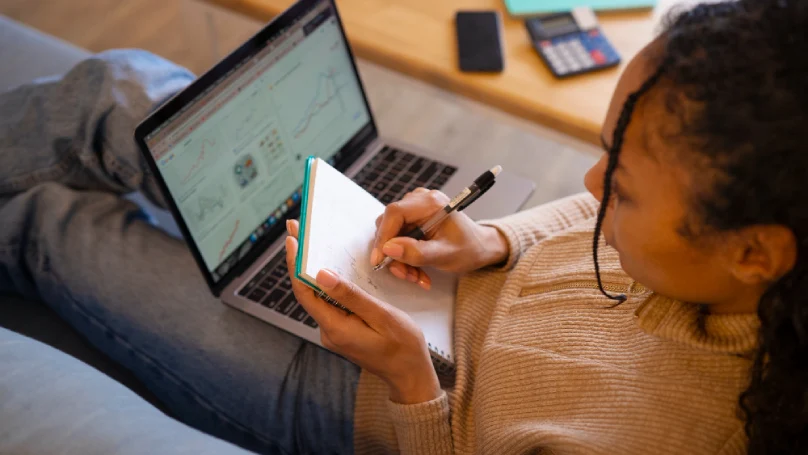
pixel 457 245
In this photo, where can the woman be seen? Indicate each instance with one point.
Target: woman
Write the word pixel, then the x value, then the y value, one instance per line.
pixel 702 209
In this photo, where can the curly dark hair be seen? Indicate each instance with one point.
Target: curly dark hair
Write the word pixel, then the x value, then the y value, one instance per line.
pixel 742 70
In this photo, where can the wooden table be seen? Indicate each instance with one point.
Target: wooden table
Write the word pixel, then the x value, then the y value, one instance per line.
pixel 417 37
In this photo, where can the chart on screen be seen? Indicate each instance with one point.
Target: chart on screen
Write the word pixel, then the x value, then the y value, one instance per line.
pixel 206 205
pixel 318 96
pixel 189 162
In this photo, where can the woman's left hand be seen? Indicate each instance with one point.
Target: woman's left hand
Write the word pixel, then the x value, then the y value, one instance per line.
pixel 377 336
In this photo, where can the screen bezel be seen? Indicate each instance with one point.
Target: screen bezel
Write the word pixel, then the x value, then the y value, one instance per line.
pixel 346 156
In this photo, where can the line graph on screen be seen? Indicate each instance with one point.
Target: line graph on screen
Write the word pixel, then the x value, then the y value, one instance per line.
pixel 197 155
pixel 226 246
pixel 207 205
pixel 311 101
pixel 322 102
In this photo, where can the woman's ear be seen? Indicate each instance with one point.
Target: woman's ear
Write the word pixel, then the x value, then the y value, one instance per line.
pixel 762 254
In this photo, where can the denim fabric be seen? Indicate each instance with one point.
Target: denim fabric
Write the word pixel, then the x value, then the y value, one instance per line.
pixel 68 237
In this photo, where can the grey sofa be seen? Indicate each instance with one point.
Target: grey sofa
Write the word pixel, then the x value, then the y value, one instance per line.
pixel 28 54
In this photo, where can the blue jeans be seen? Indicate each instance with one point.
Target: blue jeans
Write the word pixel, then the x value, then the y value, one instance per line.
pixel 69 238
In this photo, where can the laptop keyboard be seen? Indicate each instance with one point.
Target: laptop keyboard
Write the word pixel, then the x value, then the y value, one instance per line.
pixel 390 175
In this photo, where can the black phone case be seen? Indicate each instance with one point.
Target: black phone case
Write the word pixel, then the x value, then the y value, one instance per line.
pixel 479 41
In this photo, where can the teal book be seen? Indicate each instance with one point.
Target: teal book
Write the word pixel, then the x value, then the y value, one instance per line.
pixel 535 7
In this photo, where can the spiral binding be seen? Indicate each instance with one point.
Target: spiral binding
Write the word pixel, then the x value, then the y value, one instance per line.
pixel 443 362
pixel 330 300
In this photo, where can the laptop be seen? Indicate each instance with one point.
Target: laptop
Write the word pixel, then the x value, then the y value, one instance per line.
pixel 229 155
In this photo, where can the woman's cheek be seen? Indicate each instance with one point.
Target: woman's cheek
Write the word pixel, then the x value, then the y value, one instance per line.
pixel 612 227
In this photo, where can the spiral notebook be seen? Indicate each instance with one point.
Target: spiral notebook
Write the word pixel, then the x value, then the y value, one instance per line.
pixel 337 229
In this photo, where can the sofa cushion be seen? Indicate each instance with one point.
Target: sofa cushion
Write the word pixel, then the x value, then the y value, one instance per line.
pixel 28 54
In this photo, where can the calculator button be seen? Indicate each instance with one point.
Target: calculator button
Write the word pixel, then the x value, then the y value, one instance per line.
pixel 583 58
pixel 565 48
pixel 598 57
pixel 579 49
pixel 568 58
pixel 564 68
pixel 561 69
pixel 575 66
pixel 545 44
pixel 553 56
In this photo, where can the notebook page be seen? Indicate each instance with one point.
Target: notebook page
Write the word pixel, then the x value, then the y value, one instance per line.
pixel 341 226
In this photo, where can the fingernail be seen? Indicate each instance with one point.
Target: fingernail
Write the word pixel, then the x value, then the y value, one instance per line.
pixel 375 256
pixel 289 226
pixel 424 284
pixel 327 279
pixel 393 250
pixel 412 275
pixel 398 273
pixel 289 242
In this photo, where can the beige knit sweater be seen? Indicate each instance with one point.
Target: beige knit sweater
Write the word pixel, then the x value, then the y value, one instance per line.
pixel 544 367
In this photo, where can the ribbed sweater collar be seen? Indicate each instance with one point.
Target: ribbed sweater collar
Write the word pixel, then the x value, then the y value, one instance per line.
pixel 686 323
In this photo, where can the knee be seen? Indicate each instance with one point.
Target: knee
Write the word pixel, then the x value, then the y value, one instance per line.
pixel 135 77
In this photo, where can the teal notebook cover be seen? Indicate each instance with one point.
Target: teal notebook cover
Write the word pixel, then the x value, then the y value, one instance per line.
pixel 304 204
pixel 533 7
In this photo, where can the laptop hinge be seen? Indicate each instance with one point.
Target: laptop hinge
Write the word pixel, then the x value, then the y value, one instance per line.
pixel 368 152
pixel 374 146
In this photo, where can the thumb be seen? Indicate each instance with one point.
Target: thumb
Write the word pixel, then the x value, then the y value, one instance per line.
pixel 417 253
pixel 352 297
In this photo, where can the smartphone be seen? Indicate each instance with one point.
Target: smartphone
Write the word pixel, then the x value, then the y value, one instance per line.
pixel 479 41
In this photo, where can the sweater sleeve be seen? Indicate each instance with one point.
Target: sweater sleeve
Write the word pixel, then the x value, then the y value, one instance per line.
pixel 525 229
pixel 423 428
pixel 737 444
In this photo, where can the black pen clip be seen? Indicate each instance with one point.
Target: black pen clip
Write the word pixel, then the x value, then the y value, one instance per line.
pixel 467 202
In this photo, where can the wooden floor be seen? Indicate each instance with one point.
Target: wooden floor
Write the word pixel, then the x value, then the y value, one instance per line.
pixel 406 109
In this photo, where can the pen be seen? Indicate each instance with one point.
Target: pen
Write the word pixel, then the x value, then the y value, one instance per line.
pixel 469 194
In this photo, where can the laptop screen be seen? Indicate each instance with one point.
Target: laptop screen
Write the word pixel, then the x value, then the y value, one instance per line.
pixel 233 158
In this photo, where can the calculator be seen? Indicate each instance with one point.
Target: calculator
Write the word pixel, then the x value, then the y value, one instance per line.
pixel 571 43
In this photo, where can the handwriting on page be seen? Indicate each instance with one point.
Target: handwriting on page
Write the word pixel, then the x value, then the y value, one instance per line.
pixel 339 236
pixel 342 228
pixel 352 268
pixel 341 231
